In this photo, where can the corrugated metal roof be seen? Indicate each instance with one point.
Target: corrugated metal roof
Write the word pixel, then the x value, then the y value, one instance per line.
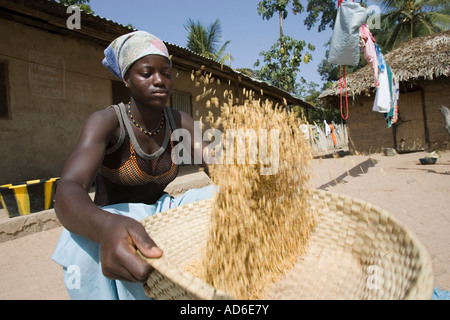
pixel 114 29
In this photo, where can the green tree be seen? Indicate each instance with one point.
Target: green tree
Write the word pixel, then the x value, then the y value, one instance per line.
pixel 310 94
pixel 282 61
pixel 407 19
pixel 330 72
pixel 83 4
pixel 205 41
pixel 268 8
pixel 325 11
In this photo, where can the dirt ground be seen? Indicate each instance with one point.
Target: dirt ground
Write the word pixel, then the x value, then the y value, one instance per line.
pixel 417 195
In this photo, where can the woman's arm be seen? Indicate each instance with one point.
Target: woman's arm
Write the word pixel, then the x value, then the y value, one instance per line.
pixel 73 205
pixel 118 236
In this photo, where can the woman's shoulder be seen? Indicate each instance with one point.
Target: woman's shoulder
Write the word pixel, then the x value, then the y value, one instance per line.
pixel 102 122
pixel 104 116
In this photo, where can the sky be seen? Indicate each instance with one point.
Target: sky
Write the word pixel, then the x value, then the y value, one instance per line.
pixel 241 24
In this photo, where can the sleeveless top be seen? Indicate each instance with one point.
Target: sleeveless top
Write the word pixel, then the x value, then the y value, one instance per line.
pixel 128 174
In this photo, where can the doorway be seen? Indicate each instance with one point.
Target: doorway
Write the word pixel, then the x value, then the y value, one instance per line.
pixel 410 128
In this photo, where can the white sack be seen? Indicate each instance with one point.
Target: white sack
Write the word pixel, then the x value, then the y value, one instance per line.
pixel 344 49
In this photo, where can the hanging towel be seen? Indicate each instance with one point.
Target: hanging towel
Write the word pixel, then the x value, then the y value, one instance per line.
pixel 383 96
pixel 392 115
pixel 333 135
pixel 344 49
pixel 370 52
pixel 397 97
pixel 446 113
pixel 335 127
pixel 327 128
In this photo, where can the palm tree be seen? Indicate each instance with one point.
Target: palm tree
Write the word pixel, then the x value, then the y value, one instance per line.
pixel 205 41
pixel 407 19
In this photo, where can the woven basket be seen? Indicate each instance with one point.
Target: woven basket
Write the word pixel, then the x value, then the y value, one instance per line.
pixel 357 251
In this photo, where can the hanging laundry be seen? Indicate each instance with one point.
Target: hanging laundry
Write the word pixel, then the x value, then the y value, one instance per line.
pixel 392 115
pixel 333 135
pixel 387 96
pixel 327 128
pixel 446 113
pixel 344 48
pixel 397 97
pixel 304 128
pixel 342 1
pixel 383 96
pixel 336 127
pixel 380 57
pixel 370 52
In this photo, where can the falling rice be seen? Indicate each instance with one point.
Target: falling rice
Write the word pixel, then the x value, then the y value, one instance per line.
pixel 260 223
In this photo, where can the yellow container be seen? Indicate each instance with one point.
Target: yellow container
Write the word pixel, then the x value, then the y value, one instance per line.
pixel 28 197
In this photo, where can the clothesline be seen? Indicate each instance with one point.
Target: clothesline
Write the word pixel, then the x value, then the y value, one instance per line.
pixel 350 35
pixel 323 136
pixel 386 82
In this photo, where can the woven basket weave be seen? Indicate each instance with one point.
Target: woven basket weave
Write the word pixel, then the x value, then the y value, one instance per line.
pixel 357 251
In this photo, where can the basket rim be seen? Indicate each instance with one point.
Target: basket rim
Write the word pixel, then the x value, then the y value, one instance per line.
pixel 424 256
pixel 183 278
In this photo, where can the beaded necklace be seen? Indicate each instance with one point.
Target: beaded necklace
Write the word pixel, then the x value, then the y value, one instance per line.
pixel 149 133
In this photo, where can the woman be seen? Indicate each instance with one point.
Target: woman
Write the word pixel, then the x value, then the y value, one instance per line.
pixel 127 151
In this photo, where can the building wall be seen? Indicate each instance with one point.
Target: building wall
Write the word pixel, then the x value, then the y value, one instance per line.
pixel 367 130
pixel 54 83
pixel 436 94
pixel 202 88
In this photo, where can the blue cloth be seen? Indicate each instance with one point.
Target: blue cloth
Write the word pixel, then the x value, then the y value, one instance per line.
pixel 80 257
pixel 440 294
pixel 380 57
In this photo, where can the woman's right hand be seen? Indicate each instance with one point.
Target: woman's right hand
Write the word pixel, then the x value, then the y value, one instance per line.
pixel 120 239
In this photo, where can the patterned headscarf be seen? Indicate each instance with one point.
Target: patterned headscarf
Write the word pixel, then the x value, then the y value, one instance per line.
pixel 129 48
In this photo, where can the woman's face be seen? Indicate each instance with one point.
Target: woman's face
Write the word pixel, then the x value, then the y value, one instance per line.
pixel 150 81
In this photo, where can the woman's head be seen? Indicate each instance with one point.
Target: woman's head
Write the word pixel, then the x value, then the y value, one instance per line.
pixel 149 81
pixel 142 62
pixel 123 52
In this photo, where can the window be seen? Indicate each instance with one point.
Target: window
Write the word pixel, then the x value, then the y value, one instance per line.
pixel 181 101
pixel 4 106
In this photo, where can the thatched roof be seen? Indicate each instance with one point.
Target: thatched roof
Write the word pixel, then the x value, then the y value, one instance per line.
pixel 419 58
